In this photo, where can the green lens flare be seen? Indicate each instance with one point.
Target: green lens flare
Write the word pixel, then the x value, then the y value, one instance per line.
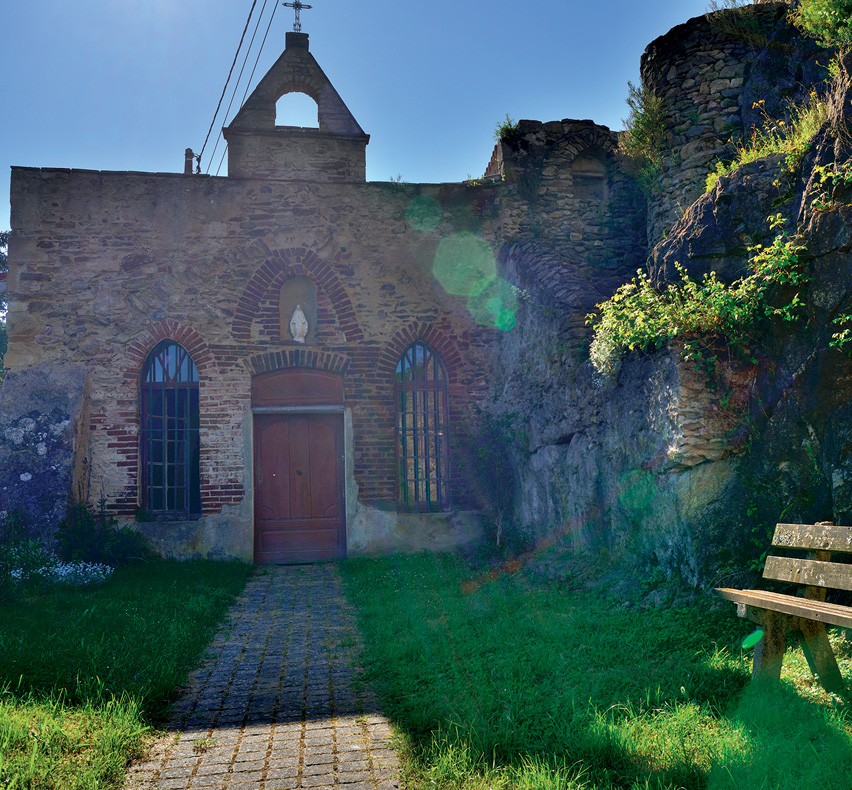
pixel 506 320
pixel 495 306
pixel 424 213
pixel 464 265
pixel 752 639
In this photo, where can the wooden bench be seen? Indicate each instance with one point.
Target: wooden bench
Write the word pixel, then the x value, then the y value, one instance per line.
pixel 776 613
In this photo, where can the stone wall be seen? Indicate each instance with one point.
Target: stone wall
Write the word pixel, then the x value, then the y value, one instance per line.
pixel 105 265
pixel 665 468
pixel 298 152
pixel 719 76
pixel 574 196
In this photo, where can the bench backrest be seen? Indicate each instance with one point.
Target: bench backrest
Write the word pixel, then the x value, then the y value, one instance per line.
pixel 817 571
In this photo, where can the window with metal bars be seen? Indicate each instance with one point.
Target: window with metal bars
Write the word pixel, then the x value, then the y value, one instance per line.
pixel 422 417
pixel 170 448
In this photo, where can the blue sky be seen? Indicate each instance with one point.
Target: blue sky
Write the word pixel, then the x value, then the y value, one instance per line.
pixel 129 84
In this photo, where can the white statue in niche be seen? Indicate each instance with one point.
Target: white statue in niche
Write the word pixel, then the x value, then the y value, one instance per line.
pixel 298 325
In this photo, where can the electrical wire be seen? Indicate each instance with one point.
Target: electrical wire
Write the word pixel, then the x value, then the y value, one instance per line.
pixel 259 53
pixel 225 89
pixel 240 77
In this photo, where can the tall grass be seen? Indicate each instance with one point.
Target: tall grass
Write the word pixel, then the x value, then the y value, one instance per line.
pixel 86 673
pixel 791 138
pixel 514 685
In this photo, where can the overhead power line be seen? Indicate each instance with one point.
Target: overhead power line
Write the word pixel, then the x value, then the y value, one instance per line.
pixel 230 73
pixel 240 77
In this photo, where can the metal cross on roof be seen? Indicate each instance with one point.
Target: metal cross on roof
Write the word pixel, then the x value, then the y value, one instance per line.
pixel 297 7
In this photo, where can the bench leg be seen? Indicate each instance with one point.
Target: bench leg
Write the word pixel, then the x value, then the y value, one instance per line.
pixel 769 651
pixel 820 656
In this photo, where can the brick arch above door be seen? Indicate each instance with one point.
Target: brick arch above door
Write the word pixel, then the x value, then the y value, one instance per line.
pixel 297 358
pixel 293 262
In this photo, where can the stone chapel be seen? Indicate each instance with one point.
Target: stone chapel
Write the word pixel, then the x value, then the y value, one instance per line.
pixel 284 364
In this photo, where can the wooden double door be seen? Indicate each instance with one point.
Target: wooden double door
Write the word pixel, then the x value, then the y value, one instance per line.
pixel 300 513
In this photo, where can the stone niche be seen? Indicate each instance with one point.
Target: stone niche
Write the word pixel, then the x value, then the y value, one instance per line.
pixel 590 177
pixel 301 293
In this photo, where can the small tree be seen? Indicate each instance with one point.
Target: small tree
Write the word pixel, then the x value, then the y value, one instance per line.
pixel 644 135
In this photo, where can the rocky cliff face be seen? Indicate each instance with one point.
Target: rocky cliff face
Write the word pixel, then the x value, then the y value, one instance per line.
pixel 660 467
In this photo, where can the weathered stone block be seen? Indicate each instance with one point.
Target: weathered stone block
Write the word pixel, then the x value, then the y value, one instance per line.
pixel 43 438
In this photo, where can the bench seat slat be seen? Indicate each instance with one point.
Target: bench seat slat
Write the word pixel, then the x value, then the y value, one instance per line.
pixel 813 537
pixel 833 575
pixel 828 613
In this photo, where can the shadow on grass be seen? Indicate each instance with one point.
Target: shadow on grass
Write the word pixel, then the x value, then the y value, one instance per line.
pixel 521 685
pixel 789 742
pixel 135 636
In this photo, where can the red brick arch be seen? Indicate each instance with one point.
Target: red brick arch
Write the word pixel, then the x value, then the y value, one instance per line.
pixel 429 334
pixel 167 329
pixel 297 358
pixel 122 426
pixel 291 263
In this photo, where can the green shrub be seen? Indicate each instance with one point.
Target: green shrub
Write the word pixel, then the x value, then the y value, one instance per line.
pixel 703 314
pixel 506 129
pixel 828 21
pixel 86 536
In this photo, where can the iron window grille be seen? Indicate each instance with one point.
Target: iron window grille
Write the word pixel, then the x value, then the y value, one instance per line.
pixel 422 418
pixel 170 446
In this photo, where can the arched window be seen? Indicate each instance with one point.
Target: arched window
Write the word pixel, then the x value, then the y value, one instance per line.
pixel 421 427
pixel 170 471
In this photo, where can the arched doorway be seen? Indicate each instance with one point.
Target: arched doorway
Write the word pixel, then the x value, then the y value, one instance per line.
pixel 299 505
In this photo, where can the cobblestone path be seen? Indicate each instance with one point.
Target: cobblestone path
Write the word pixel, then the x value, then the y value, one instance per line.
pixel 278 704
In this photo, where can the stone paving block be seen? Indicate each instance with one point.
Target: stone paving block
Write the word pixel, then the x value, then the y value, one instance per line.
pixel 282 773
pixel 281 784
pixel 253 747
pixel 247 777
pixel 209 782
pixel 318 759
pixel 181 772
pixel 214 769
pixel 318 781
pixel 356 776
pixel 349 763
pixel 172 784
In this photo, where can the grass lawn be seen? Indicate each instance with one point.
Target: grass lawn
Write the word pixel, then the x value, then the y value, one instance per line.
pixel 503 683
pixel 86 673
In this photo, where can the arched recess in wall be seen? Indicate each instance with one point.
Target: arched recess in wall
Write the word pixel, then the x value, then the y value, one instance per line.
pixel 589 175
pixel 286 264
pixel 297 108
pixel 298 305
